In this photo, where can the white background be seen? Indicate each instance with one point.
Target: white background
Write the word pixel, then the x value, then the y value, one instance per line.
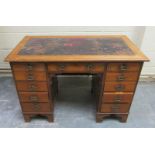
pixel 77 13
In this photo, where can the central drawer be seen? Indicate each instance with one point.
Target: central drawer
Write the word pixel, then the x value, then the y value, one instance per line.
pixel 33 96
pixel 76 67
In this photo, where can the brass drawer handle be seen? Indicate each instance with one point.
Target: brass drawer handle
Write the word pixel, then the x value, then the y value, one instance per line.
pixel 30 77
pixel 34 98
pixel 36 106
pixel 62 67
pixel 117 99
pixel 123 67
pixel 32 87
pixel 120 87
pixel 90 67
pixel 121 78
pixel 29 67
pixel 115 109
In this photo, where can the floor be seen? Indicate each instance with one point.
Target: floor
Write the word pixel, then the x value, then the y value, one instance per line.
pixel 75 108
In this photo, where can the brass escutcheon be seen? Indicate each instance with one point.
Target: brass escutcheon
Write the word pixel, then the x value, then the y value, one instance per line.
pixel 90 67
pixel 123 67
pixel 32 87
pixel 120 87
pixel 29 67
pixel 120 78
pixel 34 98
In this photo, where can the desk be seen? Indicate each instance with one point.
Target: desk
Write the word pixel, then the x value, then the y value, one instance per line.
pixel 114 61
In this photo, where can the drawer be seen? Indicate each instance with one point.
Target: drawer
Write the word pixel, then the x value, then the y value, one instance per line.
pixel 36 107
pixel 30 76
pixel 117 97
pixel 130 76
pixel 28 67
pixel 119 86
pixel 123 67
pixel 76 67
pixel 33 96
pixel 115 108
pixel 31 86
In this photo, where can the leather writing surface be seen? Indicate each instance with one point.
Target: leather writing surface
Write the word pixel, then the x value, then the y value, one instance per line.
pixel 75 46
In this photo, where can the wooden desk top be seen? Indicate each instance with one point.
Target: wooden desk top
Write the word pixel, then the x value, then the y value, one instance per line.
pixel 75 48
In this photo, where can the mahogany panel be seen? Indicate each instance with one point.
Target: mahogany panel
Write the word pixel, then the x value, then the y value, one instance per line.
pixel 36 107
pixel 129 76
pixel 33 96
pixel 31 86
pixel 76 67
pixel 123 67
pixel 28 66
pixel 30 76
pixel 120 86
pixel 120 97
pixel 115 108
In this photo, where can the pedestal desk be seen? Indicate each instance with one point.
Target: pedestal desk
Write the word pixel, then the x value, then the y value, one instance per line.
pixel 114 62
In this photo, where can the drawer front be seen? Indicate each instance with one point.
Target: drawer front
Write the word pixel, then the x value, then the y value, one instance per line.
pixel 117 97
pixel 115 108
pixel 31 86
pixel 30 76
pixel 36 107
pixel 123 67
pixel 28 67
pixel 76 67
pixel 133 76
pixel 119 86
pixel 33 96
